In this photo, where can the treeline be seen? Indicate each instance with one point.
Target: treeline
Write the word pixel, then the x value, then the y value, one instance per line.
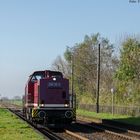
pixel 120 71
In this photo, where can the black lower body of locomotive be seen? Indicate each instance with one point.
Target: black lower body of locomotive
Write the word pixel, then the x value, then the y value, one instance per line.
pixel 51 117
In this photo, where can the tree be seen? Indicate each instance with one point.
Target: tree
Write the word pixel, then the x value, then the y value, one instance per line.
pixel 60 65
pixel 17 98
pixel 128 73
pixel 84 55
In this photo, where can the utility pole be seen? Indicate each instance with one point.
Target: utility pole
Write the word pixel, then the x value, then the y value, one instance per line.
pixel 112 91
pixel 98 80
pixel 72 77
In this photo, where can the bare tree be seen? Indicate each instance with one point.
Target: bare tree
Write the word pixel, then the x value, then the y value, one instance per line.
pixel 60 65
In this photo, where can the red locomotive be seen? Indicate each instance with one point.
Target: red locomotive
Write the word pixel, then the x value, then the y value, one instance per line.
pixel 47 98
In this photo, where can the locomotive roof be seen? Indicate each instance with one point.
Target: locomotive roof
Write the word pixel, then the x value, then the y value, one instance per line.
pixel 44 71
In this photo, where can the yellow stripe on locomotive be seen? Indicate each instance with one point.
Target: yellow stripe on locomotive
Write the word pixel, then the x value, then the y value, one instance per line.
pixel 34 113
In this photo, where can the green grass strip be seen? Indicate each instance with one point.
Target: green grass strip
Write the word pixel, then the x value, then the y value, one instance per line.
pixel 121 118
pixel 12 128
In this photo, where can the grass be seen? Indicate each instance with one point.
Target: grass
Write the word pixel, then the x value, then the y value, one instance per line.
pixel 121 118
pixel 11 127
pixel 99 115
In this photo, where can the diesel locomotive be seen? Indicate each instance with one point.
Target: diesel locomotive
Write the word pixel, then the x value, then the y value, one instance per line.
pixel 47 99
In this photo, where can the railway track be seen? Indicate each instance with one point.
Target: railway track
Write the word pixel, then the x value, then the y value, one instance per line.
pixel 62 135
pixel 81 130
pixel 120 130
pixel 47 133
pixel 113 131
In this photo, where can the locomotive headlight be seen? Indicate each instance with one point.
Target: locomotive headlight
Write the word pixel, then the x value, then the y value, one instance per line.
pixel 66 105
pixel 54 79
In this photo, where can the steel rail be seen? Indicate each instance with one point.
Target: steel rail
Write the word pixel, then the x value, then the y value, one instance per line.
pixel 128 132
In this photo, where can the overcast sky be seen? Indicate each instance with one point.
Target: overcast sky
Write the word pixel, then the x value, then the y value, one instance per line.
pixel 34 32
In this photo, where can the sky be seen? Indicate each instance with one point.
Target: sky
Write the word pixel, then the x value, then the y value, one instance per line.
pixel 34 32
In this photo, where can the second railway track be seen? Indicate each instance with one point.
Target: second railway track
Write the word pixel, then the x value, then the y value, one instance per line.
pixel 113 131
